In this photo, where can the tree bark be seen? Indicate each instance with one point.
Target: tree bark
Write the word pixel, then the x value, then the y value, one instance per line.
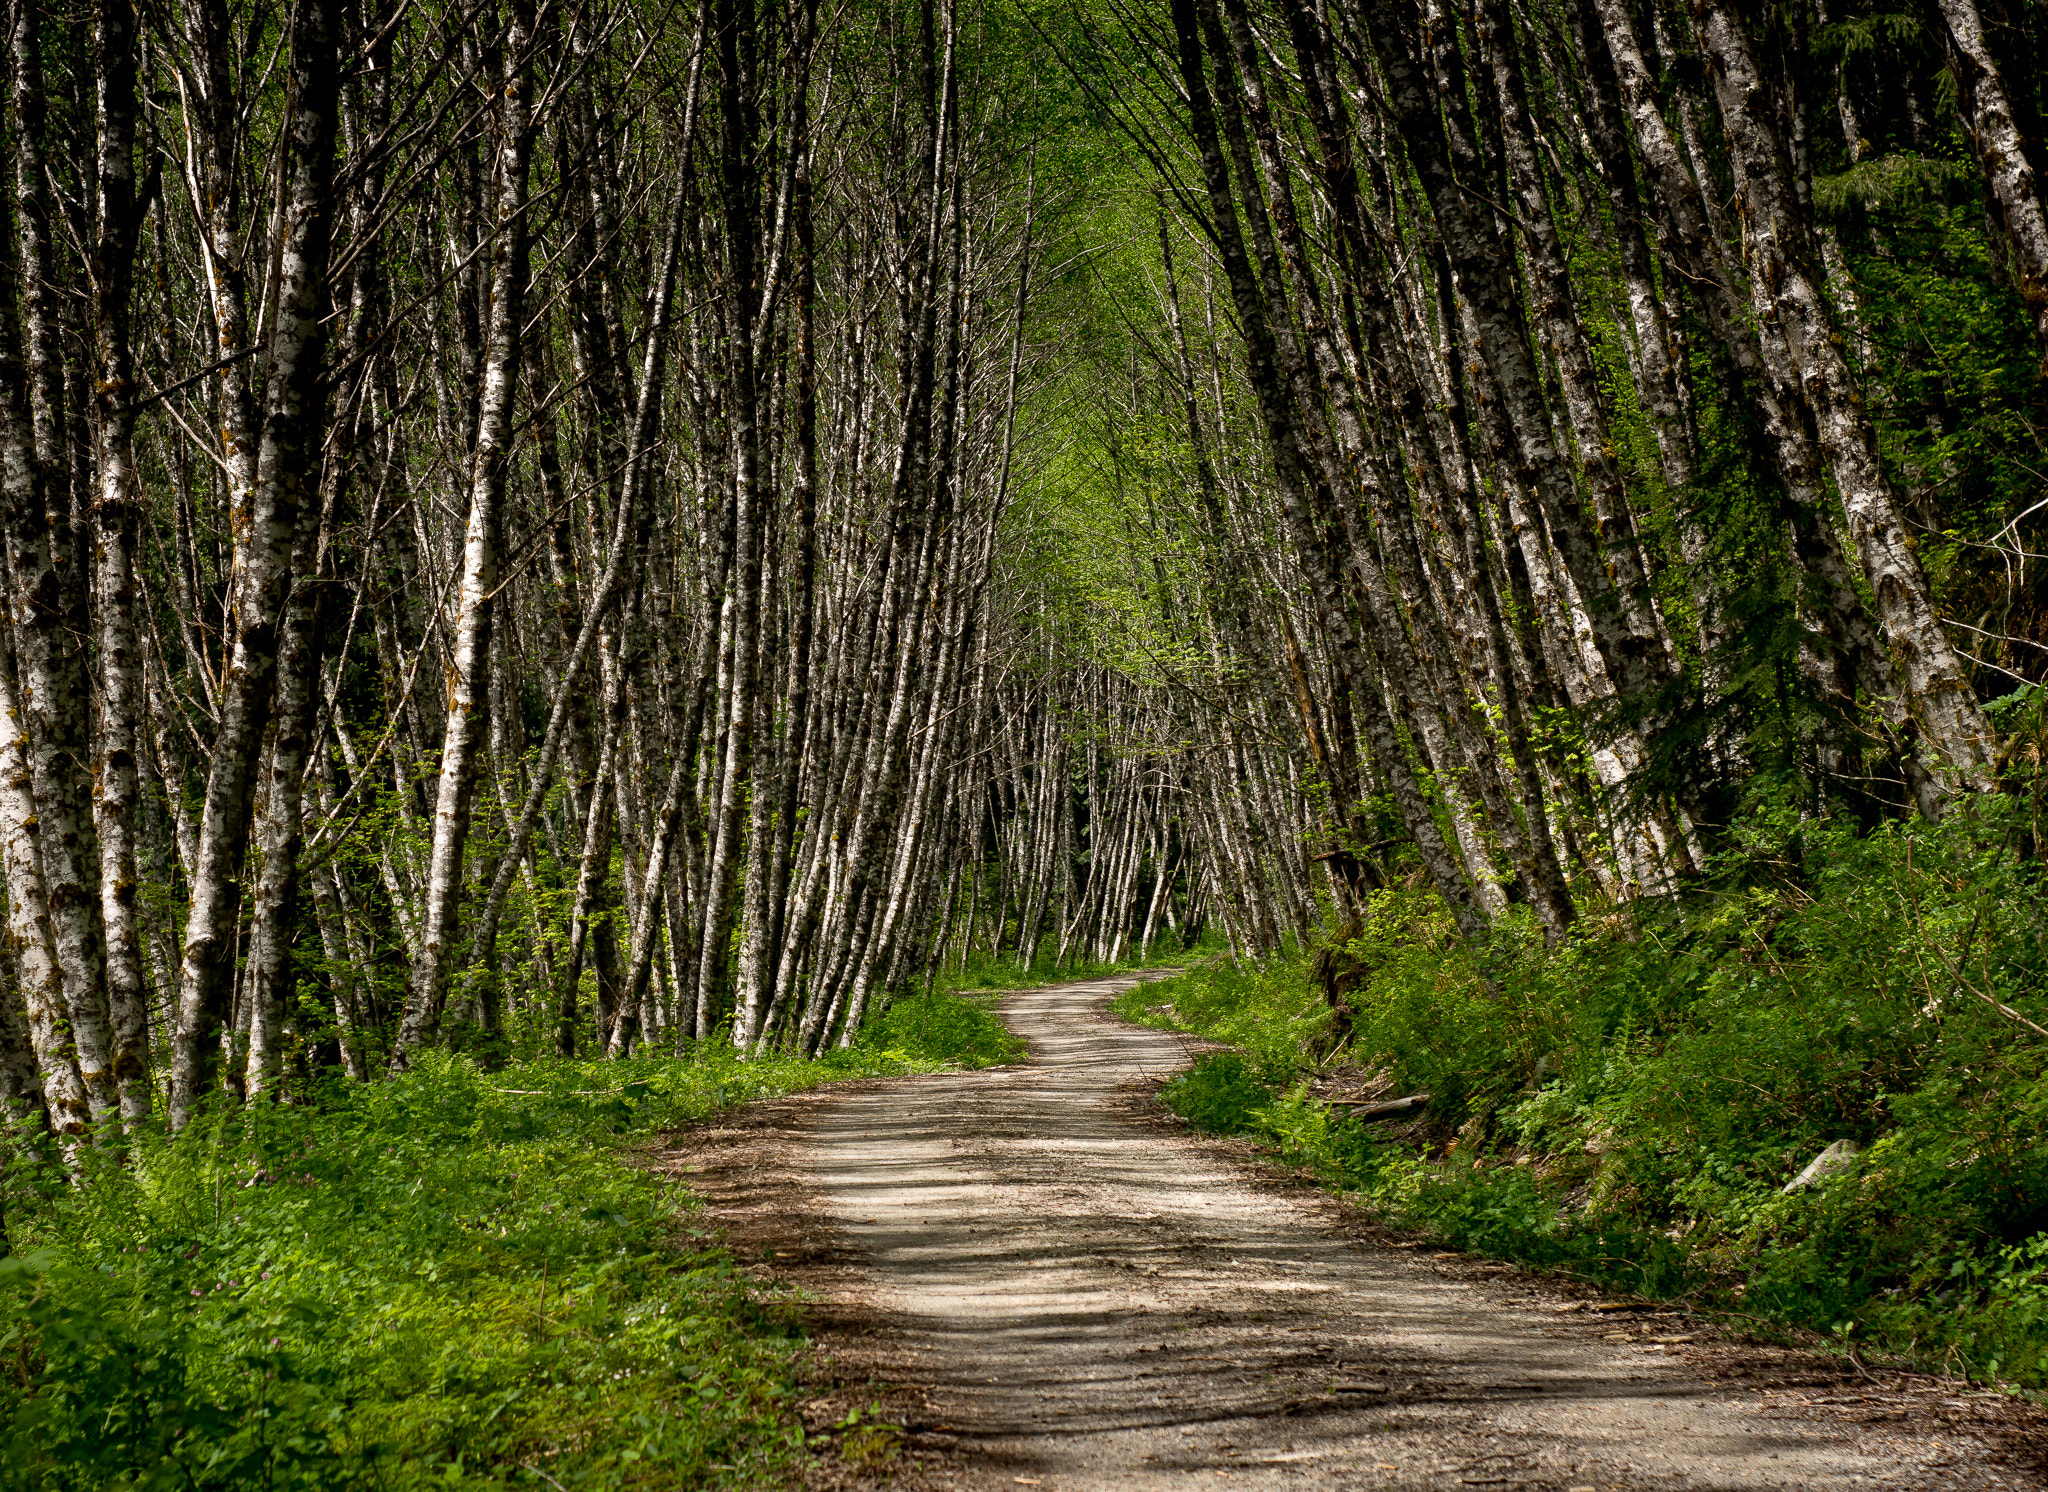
pixel 49 604
pixel 2009 160
pixel 468 679
pixel 1786 293
pixel 287 466
pixel 48 1023
pixel 280 832
pixel 118 489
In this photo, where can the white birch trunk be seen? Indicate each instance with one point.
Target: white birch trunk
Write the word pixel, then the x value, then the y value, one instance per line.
pixel 117 520
pixel 467 684
pixel 286 469
pixel 34 951
pixel 2014 179
pixel 1786 293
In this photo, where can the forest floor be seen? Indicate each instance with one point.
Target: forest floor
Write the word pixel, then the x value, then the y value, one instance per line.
pixel 1033 1276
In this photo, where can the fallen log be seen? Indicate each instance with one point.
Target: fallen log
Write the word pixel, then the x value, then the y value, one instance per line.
pixel 1381 1108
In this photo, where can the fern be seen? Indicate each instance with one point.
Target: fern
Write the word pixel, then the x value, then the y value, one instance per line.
pixel 1895 180
pixel 1888 32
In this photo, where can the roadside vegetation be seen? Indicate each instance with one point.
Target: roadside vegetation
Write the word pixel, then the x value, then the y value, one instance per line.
pixel 453 1278
pixel 1629 1108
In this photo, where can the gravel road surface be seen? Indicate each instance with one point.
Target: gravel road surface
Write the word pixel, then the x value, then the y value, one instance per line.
pixel 1067 1293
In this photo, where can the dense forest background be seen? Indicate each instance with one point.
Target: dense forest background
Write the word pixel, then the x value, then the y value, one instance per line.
pixel 578 528
pixel 544 533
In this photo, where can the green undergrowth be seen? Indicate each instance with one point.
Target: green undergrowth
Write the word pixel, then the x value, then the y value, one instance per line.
pixel 1630 1107
pixel 945 1027
pixel 452 1278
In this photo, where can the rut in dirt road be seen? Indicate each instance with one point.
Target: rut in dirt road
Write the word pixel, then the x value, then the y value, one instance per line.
pixel 1095 1301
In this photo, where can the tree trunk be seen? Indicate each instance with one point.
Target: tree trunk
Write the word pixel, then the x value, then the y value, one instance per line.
pixel 116 222
pixel 1787 295
pixel 287 465
pixel 468 684
pixel 280 832
pixel 2009 160
pixel 49 604
pixel 41 985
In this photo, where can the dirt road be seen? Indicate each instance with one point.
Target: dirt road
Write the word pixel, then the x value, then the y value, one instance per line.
pixel 1079 1297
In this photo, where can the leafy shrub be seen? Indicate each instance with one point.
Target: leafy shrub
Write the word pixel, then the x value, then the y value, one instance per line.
pixel 1219 1093
pixel 1631 1105
pixel 943 1028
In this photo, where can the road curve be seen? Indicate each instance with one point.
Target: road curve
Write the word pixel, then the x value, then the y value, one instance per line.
pixel 1095 1301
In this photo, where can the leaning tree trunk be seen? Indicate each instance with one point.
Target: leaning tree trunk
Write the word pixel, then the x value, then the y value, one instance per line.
pixel 2008 159
pixel 1660 373
pixel 1625 631
pixel 287 467
pixel 1358 673
pixel 1787 294
pixel 1702 261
